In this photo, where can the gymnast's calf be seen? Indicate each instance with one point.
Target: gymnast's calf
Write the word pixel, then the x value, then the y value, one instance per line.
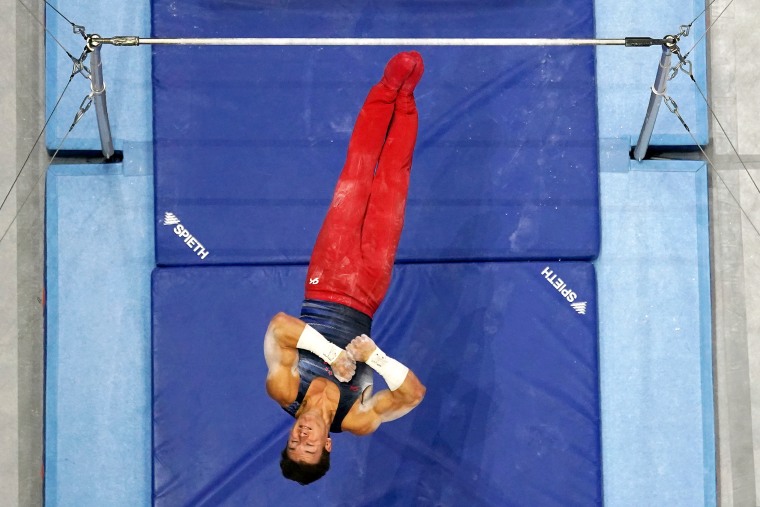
pixel 321 364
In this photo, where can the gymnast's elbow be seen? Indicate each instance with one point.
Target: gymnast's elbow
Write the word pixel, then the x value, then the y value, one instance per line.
pixel 279 319
pixel 417 394
pixel 282 320
pixel 286 329
pixel 277 324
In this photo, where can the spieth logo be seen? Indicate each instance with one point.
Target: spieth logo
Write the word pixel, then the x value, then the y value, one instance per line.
pixel 563 289
pixel 579 307
pixel 170 219
pixel 184 234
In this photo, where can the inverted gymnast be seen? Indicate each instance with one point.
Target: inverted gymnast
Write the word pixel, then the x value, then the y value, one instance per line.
pixel 320 365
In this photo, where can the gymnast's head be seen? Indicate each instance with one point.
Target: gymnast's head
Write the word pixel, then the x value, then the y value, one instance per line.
pixel 306 456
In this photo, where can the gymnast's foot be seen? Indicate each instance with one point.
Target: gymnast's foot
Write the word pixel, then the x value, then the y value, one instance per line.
pixel 398 70
pixel 407 88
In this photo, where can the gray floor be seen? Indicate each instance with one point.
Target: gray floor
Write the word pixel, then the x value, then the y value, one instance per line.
pixel 736 249
pixel 21 258
pixel 734 68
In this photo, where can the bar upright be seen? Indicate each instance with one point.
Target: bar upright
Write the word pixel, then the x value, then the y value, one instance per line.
pixel 655 99
pixel 99 99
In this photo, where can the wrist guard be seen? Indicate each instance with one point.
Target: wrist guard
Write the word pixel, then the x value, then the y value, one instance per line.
pixel 391 370
pixel 313 341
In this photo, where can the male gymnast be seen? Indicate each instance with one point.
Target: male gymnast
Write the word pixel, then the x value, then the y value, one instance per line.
pixel 320 365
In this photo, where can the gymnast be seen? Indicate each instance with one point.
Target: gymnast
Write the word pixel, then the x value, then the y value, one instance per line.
pixel 320 365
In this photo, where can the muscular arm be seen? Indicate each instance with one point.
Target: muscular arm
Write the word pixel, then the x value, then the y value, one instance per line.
pixel 281 342
pixel 281 355
pixel 386 405
pixel 389 405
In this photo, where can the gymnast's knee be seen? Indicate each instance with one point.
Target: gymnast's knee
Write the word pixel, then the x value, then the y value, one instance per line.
pixel 405 104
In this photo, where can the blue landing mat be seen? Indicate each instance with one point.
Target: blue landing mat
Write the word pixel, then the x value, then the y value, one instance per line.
pixel 655 329
pixel 511 416
pixel 249 141
pixel 97 347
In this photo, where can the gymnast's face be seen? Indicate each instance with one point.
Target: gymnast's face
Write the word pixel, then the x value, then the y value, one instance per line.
pixel 307 439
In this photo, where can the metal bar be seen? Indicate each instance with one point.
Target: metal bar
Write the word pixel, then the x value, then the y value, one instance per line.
pixel 380 42
pixel 655 99
pixel 99 99
pixel 136 41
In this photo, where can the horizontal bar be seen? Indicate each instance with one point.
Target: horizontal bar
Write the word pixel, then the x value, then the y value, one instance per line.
pixel 263 41
pixel 381 42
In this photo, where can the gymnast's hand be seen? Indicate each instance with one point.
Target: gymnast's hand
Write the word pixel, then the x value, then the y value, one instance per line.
pixel 344 367
pixel 361 348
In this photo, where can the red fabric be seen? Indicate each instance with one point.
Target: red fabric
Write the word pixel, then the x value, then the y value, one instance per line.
pixel 354 253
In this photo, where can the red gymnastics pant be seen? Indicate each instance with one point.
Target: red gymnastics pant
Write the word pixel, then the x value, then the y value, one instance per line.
pixel 354 253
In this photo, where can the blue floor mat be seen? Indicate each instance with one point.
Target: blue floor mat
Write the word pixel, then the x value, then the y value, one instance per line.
pixel 511 415
pixel 250 140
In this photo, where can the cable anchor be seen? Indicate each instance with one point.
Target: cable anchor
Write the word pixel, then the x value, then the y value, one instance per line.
pixel 80 30
pixel 673 107
pixel 683 64
pixel 78 64
pixel 83 107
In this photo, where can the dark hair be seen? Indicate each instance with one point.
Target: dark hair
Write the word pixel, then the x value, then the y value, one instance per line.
pixel 304 473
